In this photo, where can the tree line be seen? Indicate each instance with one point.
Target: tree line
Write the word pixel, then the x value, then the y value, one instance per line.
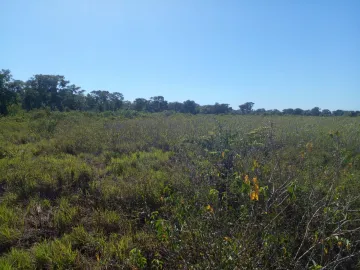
pixel 56 93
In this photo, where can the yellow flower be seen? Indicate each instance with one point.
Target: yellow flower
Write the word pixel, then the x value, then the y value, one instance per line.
pixel 209 208
pixel 255 181
pixel 256 185
pixel 254 196
pixel 247 181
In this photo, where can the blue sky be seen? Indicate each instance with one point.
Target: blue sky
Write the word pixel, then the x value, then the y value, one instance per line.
pixel 277 54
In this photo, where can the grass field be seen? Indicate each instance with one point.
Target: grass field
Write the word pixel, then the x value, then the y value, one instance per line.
pixel 175 191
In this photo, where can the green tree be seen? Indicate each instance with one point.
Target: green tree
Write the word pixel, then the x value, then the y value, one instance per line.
pixel 260 111
pixel 157 104
pixel 116 100
pixel 44 90
pixel 222 108
pixel 140 104
pixel 7 92
pixel 298 111
pixel 288 111
pixel 315 111
pixel 175 106
pixel 102 100
pixel 338 112
pixel 246 108
pixel 326 112
pixel 69 97
pixel 273 112
pixel 189 106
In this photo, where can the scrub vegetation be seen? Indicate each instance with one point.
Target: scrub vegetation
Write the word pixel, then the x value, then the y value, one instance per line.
pixel 115 190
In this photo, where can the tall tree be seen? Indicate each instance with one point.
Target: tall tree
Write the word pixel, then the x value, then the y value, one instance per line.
pixel 69 97
pixel 43 90
pixel 7 93
pixel 116 100
pixel 102 100
pixel 140 104
pixel 175 106
pixel 157 104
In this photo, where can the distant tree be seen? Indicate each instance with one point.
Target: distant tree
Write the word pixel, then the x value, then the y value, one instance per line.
pixel 80 100
pixel 338 113
pixel 140 104
pixel 157 104
pixel 353 113
pixel 56 93
pixel 315 111
pixel 222 108
pixel 17 86
pixel 116 101
pixel 175 106
pixel 189 106
pixel 68 97
pixel 277 112
pixel 206 109
pixel 325 112
pixel 100 100
pixel 126 105
pixel 43 90
pixel 307 112
pixel 7 93
pixel 350 113
pixel 217 108
pixel 273 112
pixel 298 111
pixel 260 111
pixel 288 111
pixel 246 108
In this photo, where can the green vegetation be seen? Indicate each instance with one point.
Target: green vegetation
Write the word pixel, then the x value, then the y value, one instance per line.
pixel 55 93
pixel 87 190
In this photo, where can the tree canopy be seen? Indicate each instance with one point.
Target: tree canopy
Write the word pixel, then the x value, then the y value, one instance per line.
pixel 57 93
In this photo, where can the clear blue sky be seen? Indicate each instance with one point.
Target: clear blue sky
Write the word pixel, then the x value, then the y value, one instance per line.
pixel 278 53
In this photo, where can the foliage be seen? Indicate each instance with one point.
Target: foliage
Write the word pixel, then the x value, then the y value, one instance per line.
pixel 107 190
pixel 55 93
